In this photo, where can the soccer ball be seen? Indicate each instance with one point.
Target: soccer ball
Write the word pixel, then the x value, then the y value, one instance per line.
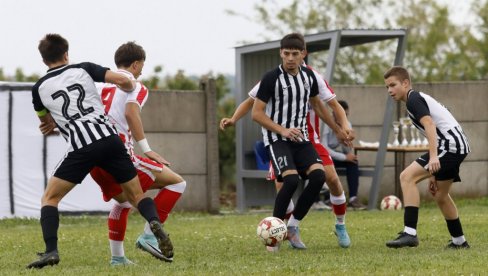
pixel 391 202
pixel 271 231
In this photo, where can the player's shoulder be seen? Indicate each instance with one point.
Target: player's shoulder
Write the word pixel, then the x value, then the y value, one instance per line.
pixel 273 73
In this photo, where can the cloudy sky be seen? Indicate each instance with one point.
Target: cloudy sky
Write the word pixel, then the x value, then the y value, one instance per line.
pixel 194 35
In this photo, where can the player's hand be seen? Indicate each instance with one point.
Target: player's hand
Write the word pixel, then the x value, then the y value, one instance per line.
pixel 351 133
pixel 293 134
pixel 433 186
pixel 351 157
pixel 156 157
pixel 434 165
pixel 225 122
pixel 48 128
pixel 344 138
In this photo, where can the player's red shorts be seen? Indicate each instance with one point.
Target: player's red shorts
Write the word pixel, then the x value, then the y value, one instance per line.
pixel 111 188
pixel 321 150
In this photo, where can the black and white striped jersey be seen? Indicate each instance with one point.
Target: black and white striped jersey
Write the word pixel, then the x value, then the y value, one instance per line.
pixel 287 98
pixel 450 135
pixel 68 92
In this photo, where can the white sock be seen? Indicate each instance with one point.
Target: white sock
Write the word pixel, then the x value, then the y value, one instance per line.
pixel 410 231
pixel 352 198
pixel 293 221
pixel 117 248
pixel 147 229
pixel 291 206
pixel 458 240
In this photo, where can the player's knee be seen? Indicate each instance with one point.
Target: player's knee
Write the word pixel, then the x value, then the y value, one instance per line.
pixel 317 177
pixel 178 187
pixel 291 180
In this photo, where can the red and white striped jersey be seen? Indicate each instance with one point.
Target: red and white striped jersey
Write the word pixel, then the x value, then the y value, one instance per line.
pixel 115 101
pixel 313 121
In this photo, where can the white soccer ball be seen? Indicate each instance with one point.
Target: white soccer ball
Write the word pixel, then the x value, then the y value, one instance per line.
pixel 271 231
pixel 391 202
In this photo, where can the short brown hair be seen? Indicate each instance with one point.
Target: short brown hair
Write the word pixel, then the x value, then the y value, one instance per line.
pixel 52 48
pixel 127 53
pixel 399 72
pixel 293 41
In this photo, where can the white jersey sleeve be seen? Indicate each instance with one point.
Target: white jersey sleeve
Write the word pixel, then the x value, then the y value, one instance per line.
pixel 139 95
pixel 325 91
pixel 254 91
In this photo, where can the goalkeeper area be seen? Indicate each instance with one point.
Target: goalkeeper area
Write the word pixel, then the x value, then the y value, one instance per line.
pixel 227 245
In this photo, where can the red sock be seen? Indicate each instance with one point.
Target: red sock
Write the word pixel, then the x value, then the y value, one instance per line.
pixel 339 210
pixel 117 222
pixel 165 201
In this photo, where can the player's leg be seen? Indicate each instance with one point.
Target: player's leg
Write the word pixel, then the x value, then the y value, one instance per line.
pixel 278 184
pixel 117 224
pixel 448 174
pixel 116 161
pixel 171 186
pixel 72 169
pixel 56 189
pixel 118 216
pixel 339 207
pixel 409 178
pixel 450 213
pixel 337 196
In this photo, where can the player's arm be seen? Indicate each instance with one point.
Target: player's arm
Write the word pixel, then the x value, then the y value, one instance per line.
pixel 133 116
pixel 48 125
pixel 259 115
pixel 430 131
pixel 122 81
pixel 341 117
pixel 241 110
pixel 320 109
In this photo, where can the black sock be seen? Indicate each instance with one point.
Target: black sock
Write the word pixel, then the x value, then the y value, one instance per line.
pixel 147 209
pixel 411 216
pixel 454 227
pixel 50 225
pixel 290 184
pixel 316 181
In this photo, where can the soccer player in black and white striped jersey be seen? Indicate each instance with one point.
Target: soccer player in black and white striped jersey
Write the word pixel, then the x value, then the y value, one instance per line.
pixel 448 147
pixel 66 98
pixel 281 107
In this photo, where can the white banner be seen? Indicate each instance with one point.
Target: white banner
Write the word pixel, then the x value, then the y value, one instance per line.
pixel 28 175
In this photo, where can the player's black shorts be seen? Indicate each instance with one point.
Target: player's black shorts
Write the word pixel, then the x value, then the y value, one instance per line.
pixel 450 163
pixel 287 155
pixel 107 153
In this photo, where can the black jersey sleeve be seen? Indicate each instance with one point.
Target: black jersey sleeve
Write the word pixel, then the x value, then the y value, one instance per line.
pixel 96 71
pixel 36 99
pixel 417 105
pixel 314 88
pixel 267 86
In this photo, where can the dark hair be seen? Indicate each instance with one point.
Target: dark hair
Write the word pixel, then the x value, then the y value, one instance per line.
pixel 344 104
pixel 399 72
pixel 293 41
pixel 127 53
pixel 52 48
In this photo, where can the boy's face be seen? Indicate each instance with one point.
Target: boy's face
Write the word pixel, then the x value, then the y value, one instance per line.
pixel 396 88
pixel 292 59
pixel 137 68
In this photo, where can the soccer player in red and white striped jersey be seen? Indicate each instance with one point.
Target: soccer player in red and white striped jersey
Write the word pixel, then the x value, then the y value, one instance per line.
pixel 123 110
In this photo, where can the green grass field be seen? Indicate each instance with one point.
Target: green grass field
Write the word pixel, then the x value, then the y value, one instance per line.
pixel 227 245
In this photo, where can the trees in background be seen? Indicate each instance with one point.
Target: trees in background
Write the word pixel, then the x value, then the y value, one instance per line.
pixel 438 48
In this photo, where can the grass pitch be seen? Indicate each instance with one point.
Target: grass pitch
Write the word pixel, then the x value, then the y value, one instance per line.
pixel 227 245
